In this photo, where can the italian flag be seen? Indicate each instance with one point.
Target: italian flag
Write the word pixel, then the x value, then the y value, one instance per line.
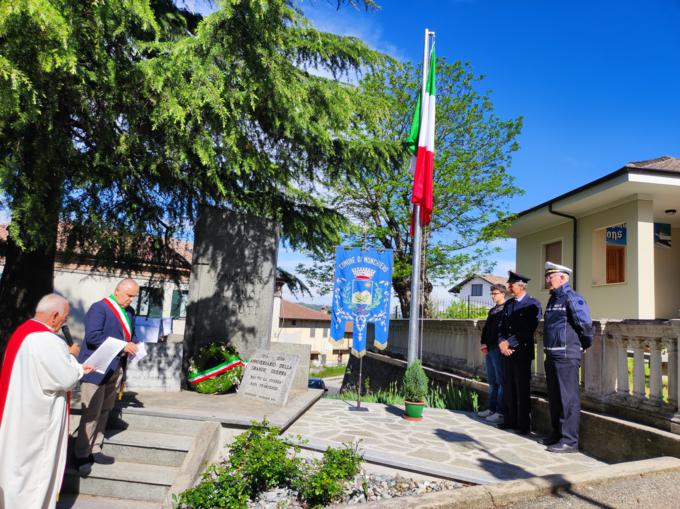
pixel 422 162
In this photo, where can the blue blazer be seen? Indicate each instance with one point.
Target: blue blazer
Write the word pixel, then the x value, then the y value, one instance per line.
pixel 101 323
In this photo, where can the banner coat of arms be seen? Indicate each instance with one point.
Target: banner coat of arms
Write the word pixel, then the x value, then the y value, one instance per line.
pixel 361 294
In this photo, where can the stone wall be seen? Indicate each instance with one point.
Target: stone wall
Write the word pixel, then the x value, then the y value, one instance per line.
pixel 160 370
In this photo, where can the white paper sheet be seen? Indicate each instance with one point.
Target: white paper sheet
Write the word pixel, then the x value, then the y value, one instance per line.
pixel 102 356
pixel 141 353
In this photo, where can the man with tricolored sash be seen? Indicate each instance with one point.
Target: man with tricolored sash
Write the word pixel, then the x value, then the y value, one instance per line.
pixel 110 317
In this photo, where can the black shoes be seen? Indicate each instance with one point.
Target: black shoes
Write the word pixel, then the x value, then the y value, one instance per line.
pixel 84 466
pixel 550 440
pixel 103 459
pixel 562 448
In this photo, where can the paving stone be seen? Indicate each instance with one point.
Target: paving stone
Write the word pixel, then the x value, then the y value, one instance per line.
pixel 453 439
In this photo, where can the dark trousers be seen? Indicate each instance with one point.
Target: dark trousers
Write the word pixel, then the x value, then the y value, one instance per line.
pixel 564 398
pixel 516 390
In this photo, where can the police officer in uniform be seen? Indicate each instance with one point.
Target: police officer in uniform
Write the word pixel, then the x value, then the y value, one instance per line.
pixel 568 331
pixel 520 318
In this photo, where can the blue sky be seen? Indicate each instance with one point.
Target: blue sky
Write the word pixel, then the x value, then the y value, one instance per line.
pixel 597 82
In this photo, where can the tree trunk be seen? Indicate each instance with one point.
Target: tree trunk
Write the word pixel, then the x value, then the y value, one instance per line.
pixel 402 288
pixel 27 276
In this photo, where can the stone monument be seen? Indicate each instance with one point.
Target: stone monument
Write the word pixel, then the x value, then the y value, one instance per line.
pixel 269 376
pixel 231 291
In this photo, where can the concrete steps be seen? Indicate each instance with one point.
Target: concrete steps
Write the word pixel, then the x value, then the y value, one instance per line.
pixel 135 481
pixel 148 447
pixel 149 455
pixel 73 501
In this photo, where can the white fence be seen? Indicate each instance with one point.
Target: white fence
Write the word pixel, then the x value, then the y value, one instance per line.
pixel 651 347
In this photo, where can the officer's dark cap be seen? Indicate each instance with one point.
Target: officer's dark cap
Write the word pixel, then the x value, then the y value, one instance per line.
pixel 514 277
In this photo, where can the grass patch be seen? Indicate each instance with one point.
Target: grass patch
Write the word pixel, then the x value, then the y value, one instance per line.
pixel 450 397
pixel 328 371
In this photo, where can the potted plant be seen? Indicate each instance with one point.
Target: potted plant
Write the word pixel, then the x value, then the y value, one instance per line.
pixel 415 390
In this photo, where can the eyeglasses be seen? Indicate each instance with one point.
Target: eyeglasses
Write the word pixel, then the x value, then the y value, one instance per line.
pixel 496 293
pixel 550 276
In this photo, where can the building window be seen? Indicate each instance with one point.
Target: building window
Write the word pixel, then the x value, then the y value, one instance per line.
pixel 325 332
pixel 609 255
pixel 476 290
pixel 616 264
pixel 312 332
pixel 150 302
pixel 178 309
pixel 552 252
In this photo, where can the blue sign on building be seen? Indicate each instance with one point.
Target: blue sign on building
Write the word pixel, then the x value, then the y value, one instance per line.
pixel 361 294
pixel 616 235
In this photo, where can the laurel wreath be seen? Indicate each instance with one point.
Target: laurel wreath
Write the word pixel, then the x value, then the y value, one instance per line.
pixel 212 355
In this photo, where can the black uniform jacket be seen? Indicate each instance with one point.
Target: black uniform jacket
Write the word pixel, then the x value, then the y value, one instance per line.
pixel 518 324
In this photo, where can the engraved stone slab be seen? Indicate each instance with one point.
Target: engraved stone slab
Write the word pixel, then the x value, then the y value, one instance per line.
pixel 269 376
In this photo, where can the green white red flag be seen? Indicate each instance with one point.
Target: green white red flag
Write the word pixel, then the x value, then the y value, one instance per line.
pixel 422 133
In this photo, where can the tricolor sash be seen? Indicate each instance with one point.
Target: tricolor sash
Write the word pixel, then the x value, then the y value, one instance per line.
pixel 121 316
pixel 15 342
pixel 232 363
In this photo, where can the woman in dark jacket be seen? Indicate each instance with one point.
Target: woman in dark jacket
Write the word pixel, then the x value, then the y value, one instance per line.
pixel 494 367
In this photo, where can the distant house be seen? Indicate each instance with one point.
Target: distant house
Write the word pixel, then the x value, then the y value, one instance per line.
pixel 297 323
pixel 620 234
pixel 477 286
pixel 163 291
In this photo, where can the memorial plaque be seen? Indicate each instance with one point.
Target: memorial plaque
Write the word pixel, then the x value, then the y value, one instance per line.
pixel 269 376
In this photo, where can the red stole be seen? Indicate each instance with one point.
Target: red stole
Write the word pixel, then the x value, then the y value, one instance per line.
pixel 15 341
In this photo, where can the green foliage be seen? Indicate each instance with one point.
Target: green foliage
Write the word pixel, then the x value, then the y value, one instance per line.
pixel 329 371
pixel 259 460
pixel 452 397
pixel 414 386
pixel 118 119
pixel 221 384
pixel 390 396
pixel 262 457
pixel 210 356
pixel 220 486
pixel 463 310
pixel 324 479
pixel 472 185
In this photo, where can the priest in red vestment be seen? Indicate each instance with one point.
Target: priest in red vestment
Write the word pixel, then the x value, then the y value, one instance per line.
pixel 38 370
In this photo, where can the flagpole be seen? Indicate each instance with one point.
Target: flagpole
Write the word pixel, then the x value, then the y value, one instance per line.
pixel 414 315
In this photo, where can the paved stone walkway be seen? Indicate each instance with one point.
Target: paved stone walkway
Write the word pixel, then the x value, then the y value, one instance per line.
pixel 451 442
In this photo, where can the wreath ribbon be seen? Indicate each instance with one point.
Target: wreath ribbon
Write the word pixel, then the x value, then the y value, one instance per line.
pixel 232 363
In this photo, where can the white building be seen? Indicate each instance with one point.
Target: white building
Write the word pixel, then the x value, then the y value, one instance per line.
pixel 296 323
pixel 620 235
pixel 163 290
pixel 478 287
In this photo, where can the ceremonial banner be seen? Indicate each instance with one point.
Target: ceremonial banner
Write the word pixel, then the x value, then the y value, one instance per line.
pixel 361 294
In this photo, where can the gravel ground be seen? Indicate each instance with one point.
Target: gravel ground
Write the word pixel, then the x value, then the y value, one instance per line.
pixel 656 491
pixel 365 487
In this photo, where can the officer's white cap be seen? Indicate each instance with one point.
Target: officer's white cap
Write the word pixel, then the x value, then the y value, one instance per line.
pixel 552 268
